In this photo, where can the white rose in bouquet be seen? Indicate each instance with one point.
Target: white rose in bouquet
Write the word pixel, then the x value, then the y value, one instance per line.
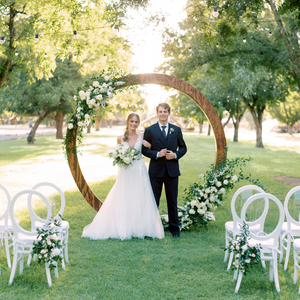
pixel 191 211
pixel 193 203
pixel 80 123
pixel 96 83
pixel 218 184
pixel 70 126
pixel 106 78
pixel 234 178
pixel 127 160
pixel 225 181
pixel 99 97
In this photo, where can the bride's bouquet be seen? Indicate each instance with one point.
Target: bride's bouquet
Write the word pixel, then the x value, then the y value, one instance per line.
pixel 124 155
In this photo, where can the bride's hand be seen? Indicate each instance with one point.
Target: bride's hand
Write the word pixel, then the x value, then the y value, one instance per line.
pixel 146 144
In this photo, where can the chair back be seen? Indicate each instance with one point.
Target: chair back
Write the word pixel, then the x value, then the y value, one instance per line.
pixel 247 191
pixel 293 193
pixel 276 232
pixel 5 215
pixel 33 215
pixel 17 228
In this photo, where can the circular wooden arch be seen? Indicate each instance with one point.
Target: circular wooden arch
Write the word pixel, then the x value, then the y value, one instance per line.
pixel 159 79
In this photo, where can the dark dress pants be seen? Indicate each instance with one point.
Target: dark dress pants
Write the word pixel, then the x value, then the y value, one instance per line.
pixel 171 189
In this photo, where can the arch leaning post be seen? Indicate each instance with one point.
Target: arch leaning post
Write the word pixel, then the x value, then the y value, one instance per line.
pixel 165 80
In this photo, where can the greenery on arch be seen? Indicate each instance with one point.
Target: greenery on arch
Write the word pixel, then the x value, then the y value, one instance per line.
pixel 96 94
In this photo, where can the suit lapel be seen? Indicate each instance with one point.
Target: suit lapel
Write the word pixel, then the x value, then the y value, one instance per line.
pixel 169 133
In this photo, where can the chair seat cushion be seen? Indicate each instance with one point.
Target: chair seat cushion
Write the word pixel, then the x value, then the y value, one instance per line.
pixel 229 227
pixel 27 239
pixel 297 244
pixel 295 229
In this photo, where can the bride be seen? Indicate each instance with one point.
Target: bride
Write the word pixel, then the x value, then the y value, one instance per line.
pixel 129 209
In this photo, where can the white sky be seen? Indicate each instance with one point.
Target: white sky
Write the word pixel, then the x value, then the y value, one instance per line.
pixel 147 42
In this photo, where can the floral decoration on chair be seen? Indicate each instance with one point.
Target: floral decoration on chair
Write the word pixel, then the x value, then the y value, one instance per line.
pixel 245 256
pixel 48 246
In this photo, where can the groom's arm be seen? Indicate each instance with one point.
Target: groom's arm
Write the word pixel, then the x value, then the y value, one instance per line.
pixel 146 151
pixel 182 149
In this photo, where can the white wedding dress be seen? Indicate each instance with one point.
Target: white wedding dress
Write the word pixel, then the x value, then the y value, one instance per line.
pixel 129 209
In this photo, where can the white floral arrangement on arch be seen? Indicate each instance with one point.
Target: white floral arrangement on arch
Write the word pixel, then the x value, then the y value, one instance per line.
pixel 96 94
pixel 203 198
pixel 124 155
pixel 48 247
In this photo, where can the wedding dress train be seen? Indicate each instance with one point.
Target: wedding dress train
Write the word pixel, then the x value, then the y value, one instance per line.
pixel 129 209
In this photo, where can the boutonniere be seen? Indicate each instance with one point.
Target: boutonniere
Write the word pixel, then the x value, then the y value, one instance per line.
pixel 171 130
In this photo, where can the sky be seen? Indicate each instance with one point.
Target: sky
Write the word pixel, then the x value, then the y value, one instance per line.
pixel 147 42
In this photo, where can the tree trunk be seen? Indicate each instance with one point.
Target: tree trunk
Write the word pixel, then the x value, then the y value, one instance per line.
pixel 257 118
pixel 208 131
pixel 42 116
pixel 59 118
pixel 89 128
pixel 291 126
pixel 98 124
pixel 200 126
pixel 31 135
pixel 236 125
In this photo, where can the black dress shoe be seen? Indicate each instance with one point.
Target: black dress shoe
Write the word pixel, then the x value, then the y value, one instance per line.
pixel 176 236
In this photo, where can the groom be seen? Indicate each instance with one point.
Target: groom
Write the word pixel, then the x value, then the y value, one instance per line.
pixel 167 147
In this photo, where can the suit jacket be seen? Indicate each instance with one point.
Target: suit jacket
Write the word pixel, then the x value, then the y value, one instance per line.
pixel 174 142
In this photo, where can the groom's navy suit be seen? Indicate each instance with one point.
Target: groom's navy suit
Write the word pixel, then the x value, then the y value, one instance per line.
pixel 163 171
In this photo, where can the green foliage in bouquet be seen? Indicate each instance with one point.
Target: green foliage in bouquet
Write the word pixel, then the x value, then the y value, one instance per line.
pixel 245 256
pixel 48 246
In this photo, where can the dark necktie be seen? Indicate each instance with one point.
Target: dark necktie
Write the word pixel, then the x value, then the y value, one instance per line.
pixel 163 130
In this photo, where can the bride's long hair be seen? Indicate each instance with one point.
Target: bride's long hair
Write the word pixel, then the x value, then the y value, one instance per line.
pixel 126 132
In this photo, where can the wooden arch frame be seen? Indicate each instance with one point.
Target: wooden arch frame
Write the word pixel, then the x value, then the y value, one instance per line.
pixel 159 79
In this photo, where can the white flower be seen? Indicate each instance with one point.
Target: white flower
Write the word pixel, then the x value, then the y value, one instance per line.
pixel 99 97
pixel 40 256
pixel 218 184
pixel 191 211
pixel 234 178
pixel 44 251
pixel 56 252
pixel 225 181
pixel 79 109
pixel 80 123
pixel 166 217
pixel 75 97
pixel 92 101
pixel 237 255
pixel 247 261
pixel 201 211
pixel 96 84
pixel 70 126
pixel 212 198
pixel 222 191
pixel 127 160
pixel 109 94
pixel 237 247
pixel 54 237
pixel 201 175
pixel 114 154
pixel 245 247
pixel 86 116
pixel 193 203
pixel 82 95
pixel 207 191
pixel 106 78
pixel 180 214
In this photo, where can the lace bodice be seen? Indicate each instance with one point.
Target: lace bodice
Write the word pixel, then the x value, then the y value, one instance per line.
pixel 138 144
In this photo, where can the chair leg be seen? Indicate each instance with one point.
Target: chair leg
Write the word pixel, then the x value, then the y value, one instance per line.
pixel 295 266
pixel 56 271
pixel 281 247
pixel 271 271
pixel 287 254
pixel 238 283
pixel 66 247
pixel 21 263
pixel 235 274
pixel 7 249
pixel 14 265
pixel 29 260
pixel 230 261
pixel 275 270
pixel 226 245
pixel 48 274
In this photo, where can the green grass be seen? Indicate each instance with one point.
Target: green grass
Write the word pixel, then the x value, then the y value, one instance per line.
pixel 189 268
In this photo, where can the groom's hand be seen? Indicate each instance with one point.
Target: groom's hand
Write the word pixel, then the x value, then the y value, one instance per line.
pixel 162 153
pixel 170 155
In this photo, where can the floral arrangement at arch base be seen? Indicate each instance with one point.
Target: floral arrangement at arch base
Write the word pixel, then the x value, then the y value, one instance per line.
pixel 96 94
pixel 245 256
pixel 203 198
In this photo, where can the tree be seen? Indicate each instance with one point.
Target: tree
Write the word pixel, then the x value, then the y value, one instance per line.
pixel 233 49
pixel 54 21
pixel 288 112
pixel 44 97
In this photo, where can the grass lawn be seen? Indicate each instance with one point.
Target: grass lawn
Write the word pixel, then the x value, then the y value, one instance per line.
pixel 188 268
